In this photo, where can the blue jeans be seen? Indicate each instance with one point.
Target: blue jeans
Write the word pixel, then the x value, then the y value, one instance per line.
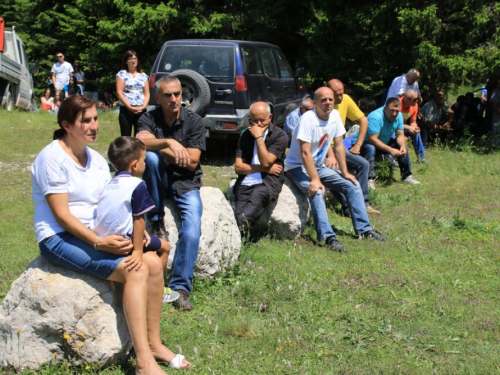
pixel 359 166
pixel 332 180
pixel 190 208
pixel 369 151
pixel 68 251
pixel 418 145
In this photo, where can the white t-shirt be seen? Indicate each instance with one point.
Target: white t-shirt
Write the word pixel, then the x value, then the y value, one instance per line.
pixel 54 172
pixel 400 85
pixel 255 178
pixel 114 215
pixel 318 133
pixel 62 72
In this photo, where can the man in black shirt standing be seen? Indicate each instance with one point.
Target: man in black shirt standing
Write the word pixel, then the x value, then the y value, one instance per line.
pixel 259 166
pixel 175 137
pixel 91 82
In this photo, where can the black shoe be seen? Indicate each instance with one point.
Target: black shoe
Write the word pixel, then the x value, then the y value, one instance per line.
pixel 158 230
pixel 373 234
pixel 334 244
pixel 182 303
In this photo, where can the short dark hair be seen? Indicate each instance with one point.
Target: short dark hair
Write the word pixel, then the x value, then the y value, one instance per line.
pixel 392 100
pixel 166 80
pixel 123 151
pixel 69 111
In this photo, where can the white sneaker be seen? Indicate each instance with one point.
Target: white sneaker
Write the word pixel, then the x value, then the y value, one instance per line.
pixel 371 184
pixel 421 159
pixel 393 161
pixel 411 181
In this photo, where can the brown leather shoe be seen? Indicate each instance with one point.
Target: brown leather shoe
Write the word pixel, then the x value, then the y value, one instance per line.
pixel 371 210
pixel 182 303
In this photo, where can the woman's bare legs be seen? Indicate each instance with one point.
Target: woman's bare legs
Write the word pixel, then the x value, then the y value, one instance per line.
pixel 154 304
pixel 135 304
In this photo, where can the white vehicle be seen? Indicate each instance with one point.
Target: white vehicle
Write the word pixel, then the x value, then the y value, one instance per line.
pixel 16 83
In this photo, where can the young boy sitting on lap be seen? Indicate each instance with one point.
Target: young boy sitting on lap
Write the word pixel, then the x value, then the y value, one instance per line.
pixel 124 202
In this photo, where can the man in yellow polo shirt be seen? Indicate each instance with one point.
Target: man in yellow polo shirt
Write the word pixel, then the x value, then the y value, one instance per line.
pixel 356 164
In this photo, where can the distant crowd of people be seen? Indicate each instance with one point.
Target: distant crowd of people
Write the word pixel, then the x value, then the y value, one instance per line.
pixel 67 80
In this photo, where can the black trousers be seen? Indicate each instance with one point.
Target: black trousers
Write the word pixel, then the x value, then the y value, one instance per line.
pixel 128 121
pixel 251 202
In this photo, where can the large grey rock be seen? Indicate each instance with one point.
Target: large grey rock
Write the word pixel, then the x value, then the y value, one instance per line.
pixel 287 217
pixel 54 314
pixel 220 242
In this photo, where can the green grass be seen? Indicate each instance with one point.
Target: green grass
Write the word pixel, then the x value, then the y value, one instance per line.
pixel 425 302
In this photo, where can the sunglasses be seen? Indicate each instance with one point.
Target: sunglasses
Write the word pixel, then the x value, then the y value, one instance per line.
pixel 412 99
pixel 169 94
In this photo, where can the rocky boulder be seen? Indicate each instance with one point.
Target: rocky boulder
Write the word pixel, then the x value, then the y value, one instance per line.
pixel 287 217
pixel 220 242
pixel 52 314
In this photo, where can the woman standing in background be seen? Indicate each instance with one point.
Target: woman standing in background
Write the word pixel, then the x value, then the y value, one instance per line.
pixel 80 78
pixel 132 90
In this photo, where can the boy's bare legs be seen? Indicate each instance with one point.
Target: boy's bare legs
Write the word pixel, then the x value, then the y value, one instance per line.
pixel 163 253
pixel 135 295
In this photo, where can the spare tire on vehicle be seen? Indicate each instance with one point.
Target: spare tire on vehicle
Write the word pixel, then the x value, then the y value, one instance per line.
pixel 195 90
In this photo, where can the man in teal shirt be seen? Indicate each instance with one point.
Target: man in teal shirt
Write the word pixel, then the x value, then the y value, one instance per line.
pixel 382 123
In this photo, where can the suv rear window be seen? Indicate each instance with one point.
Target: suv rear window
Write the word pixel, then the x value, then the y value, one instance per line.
pixel 214 63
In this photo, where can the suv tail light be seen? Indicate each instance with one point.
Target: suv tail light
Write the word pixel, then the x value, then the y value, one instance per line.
pixel 229 125
pixel 152 80
pixel 241 83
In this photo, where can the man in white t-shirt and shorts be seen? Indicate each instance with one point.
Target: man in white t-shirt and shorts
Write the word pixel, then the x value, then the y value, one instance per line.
pixel 61 74
pixel 313 165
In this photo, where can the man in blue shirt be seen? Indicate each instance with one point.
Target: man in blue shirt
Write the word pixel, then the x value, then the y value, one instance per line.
pixel 293 119
pixel 382 123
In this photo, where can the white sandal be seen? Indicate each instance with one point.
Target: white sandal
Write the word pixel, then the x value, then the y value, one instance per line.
pixel 176 362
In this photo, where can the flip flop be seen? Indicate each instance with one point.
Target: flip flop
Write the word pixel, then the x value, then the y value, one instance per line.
pixel 176 363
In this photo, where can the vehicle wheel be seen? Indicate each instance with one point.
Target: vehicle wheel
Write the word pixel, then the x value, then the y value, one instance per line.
pixel 195 90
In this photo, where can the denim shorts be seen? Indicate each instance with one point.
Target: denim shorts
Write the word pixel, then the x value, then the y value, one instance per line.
pixel 66 250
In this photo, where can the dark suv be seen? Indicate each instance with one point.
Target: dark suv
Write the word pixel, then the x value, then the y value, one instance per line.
pixel 221 78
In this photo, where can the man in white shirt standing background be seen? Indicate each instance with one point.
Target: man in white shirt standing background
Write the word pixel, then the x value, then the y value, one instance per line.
pixel 62 71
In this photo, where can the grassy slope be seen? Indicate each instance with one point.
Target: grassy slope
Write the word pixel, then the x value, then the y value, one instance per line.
pixel 426 301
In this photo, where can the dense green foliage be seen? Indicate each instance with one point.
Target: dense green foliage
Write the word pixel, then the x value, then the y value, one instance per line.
pixel 365 43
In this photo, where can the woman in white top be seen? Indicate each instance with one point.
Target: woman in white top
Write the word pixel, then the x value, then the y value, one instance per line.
pixel 132 89
pixel 67 180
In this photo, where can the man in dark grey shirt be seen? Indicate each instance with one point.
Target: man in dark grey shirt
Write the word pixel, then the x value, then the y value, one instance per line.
pixel 175 137
pixel 259 166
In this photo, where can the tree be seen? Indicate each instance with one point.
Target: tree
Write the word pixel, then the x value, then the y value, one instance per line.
pixel 365 44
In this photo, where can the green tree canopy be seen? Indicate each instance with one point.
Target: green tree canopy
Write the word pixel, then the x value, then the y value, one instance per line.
pixel 365 44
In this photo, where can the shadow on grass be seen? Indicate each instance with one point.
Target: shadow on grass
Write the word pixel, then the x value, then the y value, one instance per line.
pixel 220 152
